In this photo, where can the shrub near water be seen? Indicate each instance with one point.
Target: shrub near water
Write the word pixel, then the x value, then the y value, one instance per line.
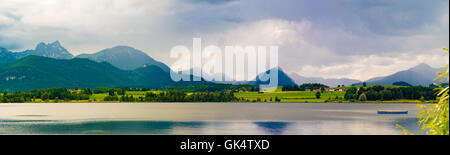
pixel 434 119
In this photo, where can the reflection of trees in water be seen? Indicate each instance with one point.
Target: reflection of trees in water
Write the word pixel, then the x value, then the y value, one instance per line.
pixel 109 127
pixel 274 128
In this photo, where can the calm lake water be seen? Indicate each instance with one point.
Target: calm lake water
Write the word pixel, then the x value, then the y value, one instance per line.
pixel 206 119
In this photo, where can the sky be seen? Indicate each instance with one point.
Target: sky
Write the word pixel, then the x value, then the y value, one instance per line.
pixel 358 39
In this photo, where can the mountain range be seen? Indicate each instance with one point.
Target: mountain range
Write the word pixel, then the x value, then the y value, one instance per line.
pixel 124 57
pixel 52 50
pixel 283 78
pixel 36 72
pixel 51 65
pixel 421 75
pixel 329 82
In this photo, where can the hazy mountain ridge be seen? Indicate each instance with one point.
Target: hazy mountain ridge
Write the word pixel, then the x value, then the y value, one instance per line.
pixel 205 75
pixel 125 57
pixel 283 78
pixel 136 67
pixel 422 75
pixel 52 50
pixel 329 82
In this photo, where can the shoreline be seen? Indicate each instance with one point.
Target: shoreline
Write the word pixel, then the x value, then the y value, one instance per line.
pixel 198 111
pixel 424 103
pixel 203 117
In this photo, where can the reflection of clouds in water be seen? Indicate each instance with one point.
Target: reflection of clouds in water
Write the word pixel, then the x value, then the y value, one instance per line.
pixel 32 115
pixel 342 128
pixel 347 127
pixel 130 128
pixel 290 128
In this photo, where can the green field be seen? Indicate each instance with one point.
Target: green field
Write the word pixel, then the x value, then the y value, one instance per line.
pixel 98 97
pixel 277 96
pixel 136 94
pixel 294 96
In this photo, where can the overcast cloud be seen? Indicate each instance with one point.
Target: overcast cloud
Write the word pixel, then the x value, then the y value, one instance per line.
pixel 357 39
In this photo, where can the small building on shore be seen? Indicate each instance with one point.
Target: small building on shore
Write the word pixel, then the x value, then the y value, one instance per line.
pixel 329 89
pixel 340 89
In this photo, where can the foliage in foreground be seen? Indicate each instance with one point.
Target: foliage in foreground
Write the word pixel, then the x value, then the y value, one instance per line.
pixel 434 119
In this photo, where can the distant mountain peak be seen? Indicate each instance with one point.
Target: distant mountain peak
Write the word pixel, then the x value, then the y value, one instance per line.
pixel 56 43
pixel 125 57
pixel 51 50
pixel 283 78
pixel 123 47
pixel 421 68
pixel 422 74
pixel 423 65
pixel 332 82
pixel 37 72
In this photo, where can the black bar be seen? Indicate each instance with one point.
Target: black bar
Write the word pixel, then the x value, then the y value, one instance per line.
pixel 173 143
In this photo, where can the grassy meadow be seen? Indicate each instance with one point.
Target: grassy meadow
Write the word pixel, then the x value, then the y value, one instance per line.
pixel 136 94
pixel 277 96
pixel 292 96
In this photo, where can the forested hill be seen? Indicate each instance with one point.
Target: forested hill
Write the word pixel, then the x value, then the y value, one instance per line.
pixel 35 72
pixel 283 78
pixel 124 57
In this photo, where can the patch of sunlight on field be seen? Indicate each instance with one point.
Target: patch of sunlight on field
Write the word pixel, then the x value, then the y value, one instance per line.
pixel 136 94
pixel 291 96
pixel 98 97
pixel 278 89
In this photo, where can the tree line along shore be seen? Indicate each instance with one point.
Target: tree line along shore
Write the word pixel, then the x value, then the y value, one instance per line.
pixel 306 93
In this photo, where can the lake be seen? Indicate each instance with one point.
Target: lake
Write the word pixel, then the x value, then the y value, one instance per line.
pixel 206 119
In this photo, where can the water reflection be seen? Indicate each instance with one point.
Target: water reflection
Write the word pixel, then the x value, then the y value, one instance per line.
pixel 100 127
pixel 205 119
pixel 273 128
pixel 207 128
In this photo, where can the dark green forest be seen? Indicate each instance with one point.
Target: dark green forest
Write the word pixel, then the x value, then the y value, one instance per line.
pixel 58 94
pixel 380 93
pixel 303 87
